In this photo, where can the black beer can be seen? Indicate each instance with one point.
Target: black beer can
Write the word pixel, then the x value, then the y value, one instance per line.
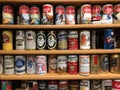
pixel 42 85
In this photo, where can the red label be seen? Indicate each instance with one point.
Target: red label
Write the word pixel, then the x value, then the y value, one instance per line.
pixel 73 43
pixel 96 9
pixel 6 39
pixel 8 9
pixel 95 59
pixel 70 10
pixel 60 10
pixel 24 10
pixel 72 67
pixel 108 9
pixel 34 10
pixel 8 87
pixel 47 9
pixel 116 85
pixel 63 85
pixel 117 8
pixel 86 9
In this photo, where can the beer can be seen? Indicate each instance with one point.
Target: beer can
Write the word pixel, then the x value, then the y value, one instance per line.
pixel 24 85
pixel 96 14
pixel 42 85
pixel 72 64
pixel 52 63
pixel 30 40
pixel 73 40
pixel 61 64
pixel 41 40
pixel 94 39
pixel 33 85
pixel 109 39
pixel 23 16
pixel 116 14
pixel 70 14
pixel 59 15
pixel 106 84
pixel 74 85
pixel 115 84
pixel 96 84
pixel 6 85
pixel 63 85
pixel 47 14
pixel 7 40
pixel 34 15
pixel 62 40
pixel 115 63
pixel 20 64
pixel 31 64
pixel 95 65
pixel 7 15
pixel 85 85
pixel 41 64
pixel 107 11
pixel 104 63
pixel 84 65
pixel 86 14
pixel 51 40
pixel 53 85
pixel 85 39
pixel 8 64
pixel 1 64
pixel 20 40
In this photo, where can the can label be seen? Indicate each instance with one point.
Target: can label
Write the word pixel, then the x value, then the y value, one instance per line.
pixel 20 63
pixel 7 14
pixel 84 85
pixel 115 84
pixel 96 85
pixel 86 14
pixel 1 64
pixel 74 85
pixel 52 85
pixel 70 15
pixel 30 40
pixel 20 40
pixel 107 85
pixel 6 85
pixel 42 85
pixel 41 64
pixel 34 15
pixel 63 85
pixel 7 40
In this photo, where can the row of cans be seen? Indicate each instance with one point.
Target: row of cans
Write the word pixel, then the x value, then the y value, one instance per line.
pixel 61 64
pixel 61 85
pixel 61 15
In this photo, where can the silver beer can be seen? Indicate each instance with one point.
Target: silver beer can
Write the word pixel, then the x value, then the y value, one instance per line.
pixel 1 64
pixel 106 84
pixel 96 84
pixel 85 85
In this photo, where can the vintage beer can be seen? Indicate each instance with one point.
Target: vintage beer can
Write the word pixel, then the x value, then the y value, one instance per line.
pixel 7 40
pixel 41 40
pixel 95 65
pixel 96 14
pixel 93 41
pixel 106 84
pixel 20 40
pixel 52 85
pixel 24 85
pixel 47 14
pixel 41 64
pixel 59 15
pixel 63 85
pixel 104 63
pixel 42 85
pixel 1 64
pixel 23 17
pixel 7 15
pixel 96 85
pixel 107 11
pixel 116 14
pixel 109 39
pixel 115 84
pixel 30 40
pixel 62 40
pixel 52 63
pixel 70 14
pixel 74 85
pixel 8 64
pixel 33 85
pixel 51 39
pixel 85 85
pixel 31 64
pixel 73 40
pixel 85 39
pixel 6 85
pixel 86 14
pixel 34 15
pixel 20 64
pixel 84 64
pixel 62 64
pixel 115 63
pixel 72 64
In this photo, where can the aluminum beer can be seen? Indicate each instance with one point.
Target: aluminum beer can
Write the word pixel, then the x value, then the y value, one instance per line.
pixel 42 85
pixel 84 64
pixel 85 85
pixel 73 40
pixel 115 84
pixel 85 39
pixel 1 64
pixel 20 40
pixel 106 84
pixel 96 84
pixel 8 64
pixel 63 85
pixel 53 85
pixel 30 40
pixel 47 14
pixel 70 14
pixel 74 85
pixel 107 11
pixel 7 15
pixel 41 64
pixel 31 64
pixel 20 64
pixel 86 14
pixel 72 64
pixel 6 85
pixel 7 40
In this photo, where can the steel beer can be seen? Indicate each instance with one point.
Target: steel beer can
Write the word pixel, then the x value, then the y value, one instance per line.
pixel 20 64
pixel 74 85
pixel 7 40
pixel 1 64
pixel 63 85
pixel 52 85
pixel 84 64
pixel 70 14
pixel 42 85
pixel 30 40
pixel 6 85
pixel 85 85
pixel 106 84
pixel 96 84
pixel 115 84
pixel 8 64
pixel 72 40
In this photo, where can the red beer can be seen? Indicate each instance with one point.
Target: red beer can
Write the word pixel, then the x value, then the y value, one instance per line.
pixel 115 84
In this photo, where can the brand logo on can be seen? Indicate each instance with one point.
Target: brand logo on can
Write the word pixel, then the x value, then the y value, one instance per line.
pixel 7 9
pixel 108 9
pixel 60 10
pixel 116 85
pixel 46 9
pixel 96 10
pixel 70 10
pixel 34 10
pixel 86 9
pixel 24 10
